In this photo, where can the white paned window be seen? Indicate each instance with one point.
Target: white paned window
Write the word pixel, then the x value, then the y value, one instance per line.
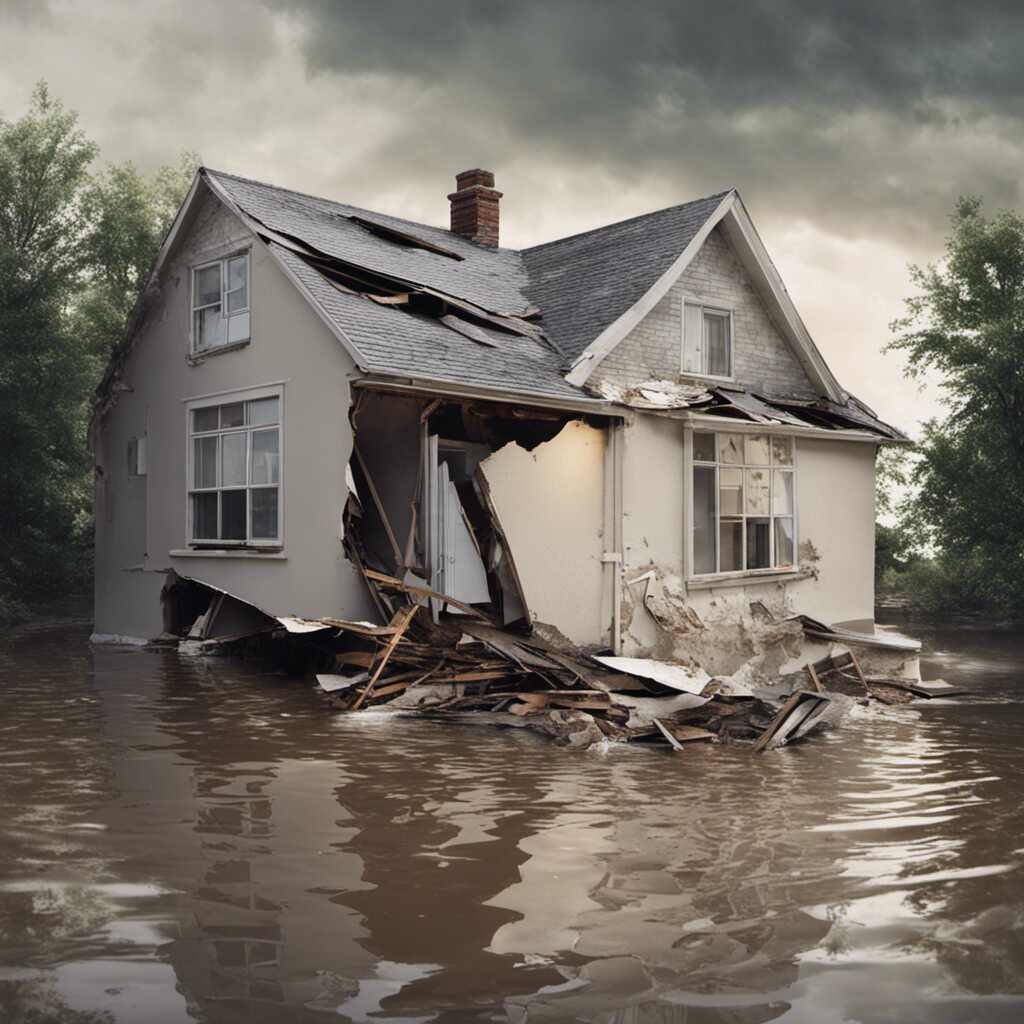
pixel 220 303
pixel 744 502
pixel 707 341
pixel 234 472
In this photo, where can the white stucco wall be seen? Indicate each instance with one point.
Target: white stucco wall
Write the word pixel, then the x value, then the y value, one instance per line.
pixel 141 521
pixel 836 517
pixel 551 505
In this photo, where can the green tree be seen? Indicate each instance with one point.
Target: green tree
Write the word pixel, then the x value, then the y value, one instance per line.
pixel 44 375
pixel 967 323
pixel 127 216
pixel 75 252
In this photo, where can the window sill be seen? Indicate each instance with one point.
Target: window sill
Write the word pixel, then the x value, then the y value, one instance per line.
pixel 194 358
pixel 267 554
pixel 707 376
pixel 741 579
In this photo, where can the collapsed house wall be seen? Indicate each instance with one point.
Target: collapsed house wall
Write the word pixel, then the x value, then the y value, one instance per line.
pixel 141 523
pixel 725 622
pixel 551 506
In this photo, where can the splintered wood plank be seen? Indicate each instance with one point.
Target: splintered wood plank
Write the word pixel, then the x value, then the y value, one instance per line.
pixel 401 622
pixel 395 584
pixel 786 721
pixel 690 733
pixel 815 681
pixel 673 742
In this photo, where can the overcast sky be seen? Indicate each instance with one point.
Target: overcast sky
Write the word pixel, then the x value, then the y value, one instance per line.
pixel 849 128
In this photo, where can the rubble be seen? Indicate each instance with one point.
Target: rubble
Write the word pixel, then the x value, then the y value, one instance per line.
pixel 459 602
pixel 464 669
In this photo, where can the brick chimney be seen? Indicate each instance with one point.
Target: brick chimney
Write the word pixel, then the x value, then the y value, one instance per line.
pixel 475 207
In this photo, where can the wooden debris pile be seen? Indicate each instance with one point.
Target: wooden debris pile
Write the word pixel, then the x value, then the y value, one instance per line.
pixel 466 670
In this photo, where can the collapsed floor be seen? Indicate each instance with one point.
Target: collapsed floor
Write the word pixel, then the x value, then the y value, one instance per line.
pixel 465 669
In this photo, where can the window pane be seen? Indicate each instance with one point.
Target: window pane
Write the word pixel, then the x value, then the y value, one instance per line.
pixel 756 446
pixel 232 415
pixel 264 513
pixel 703 447
pixel 232 460
pixel 757 492
pixel 209 327
pixel 703 519
pixel 261 411
pixel 238 288
pixel 232 515
pixel 716 344
pixel 782 494
pixel 782 451
pixel 265 458
pixel 693 339
pixel 204 419
pixel 758 551
pixel 207 286
pixel 784 542
pixel 730 545
pixel 204 471
pixel 730 448
pixel 730 498
pixel 204 516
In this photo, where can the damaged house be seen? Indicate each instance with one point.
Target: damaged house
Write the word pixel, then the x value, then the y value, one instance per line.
pixel 626 436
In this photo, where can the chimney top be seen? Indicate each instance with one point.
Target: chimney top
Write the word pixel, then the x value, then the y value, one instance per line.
pixel 477 176
pixel 474 207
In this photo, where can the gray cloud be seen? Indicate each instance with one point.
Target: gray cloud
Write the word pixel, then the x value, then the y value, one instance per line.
pixel 849 113
pixel 849 127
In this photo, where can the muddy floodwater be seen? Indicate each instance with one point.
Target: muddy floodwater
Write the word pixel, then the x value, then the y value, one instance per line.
pixel 202 839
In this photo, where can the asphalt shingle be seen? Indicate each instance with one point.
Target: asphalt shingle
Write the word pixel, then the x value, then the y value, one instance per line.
pixel 586 282
pixel 390 340
pixel 581 284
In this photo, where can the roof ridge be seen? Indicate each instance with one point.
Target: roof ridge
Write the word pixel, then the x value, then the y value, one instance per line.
pixel 347 206
pixel 629 220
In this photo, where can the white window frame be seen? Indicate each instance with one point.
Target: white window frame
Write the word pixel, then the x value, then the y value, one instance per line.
pixel 222 262
pixel 688 499
pixel 231 398
pixel 706 308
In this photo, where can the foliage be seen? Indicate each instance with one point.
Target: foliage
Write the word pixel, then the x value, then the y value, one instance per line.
pixel 127 216
pixel 74 253
pixel 44 376
pixel 967 323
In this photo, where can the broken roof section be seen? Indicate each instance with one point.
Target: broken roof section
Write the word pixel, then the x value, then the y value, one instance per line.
pixel 426 305
pixel 737 403
pixel 407 299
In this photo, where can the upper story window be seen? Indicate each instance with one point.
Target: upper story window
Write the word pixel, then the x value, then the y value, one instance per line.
pixel 220 303
pixel 234 472
pixel 707 341
pixel 744 502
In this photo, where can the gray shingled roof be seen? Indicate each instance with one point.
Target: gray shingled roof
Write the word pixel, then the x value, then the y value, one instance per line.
pixel 492 278
pixel 392 341
pixel 584 283
pixel 581 284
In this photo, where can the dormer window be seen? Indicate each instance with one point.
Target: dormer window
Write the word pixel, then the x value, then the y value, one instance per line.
pixel 220 303
pixel 707 341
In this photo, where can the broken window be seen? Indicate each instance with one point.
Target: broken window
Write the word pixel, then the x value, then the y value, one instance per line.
pixel 744 505
pixel 235 472
pixel 707 341
pixel 220 303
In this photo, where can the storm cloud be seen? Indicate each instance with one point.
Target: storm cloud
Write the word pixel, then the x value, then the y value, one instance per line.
pixel 849 128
